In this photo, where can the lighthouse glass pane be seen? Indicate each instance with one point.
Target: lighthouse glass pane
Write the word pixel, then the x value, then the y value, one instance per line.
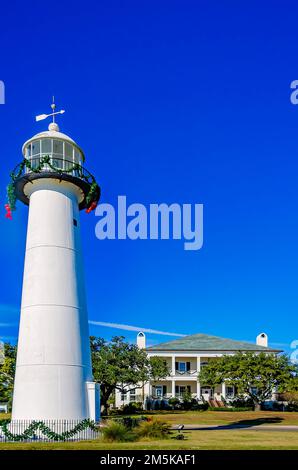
pixel 58 147
pixel 68 165
pixel 57 161
pixel 28 151
pixel 35 162
pixel 36 147
pixel 46 146
pixel 68 151
pixel 78 156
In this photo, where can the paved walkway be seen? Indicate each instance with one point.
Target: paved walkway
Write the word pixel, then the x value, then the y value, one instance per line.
pixel 242 427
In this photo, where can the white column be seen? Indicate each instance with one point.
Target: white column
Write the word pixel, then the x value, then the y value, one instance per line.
pixel 223 390
pixel 147 387
pixel 173 365
pixel 173 388
pixel 198 383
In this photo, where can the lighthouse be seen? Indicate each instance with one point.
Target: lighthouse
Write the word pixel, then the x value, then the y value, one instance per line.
pixel 53 378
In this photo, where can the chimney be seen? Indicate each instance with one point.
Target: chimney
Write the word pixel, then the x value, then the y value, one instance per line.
pixel 141 340
pixel 262 340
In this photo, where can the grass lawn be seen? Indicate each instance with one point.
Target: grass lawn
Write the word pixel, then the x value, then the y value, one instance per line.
pixel 218 417
pixel 4 415
pixel 227 417
pixel 220 440
pixel 214 439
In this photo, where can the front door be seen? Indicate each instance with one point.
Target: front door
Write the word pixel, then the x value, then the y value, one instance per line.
pixel 158 391
pixel 207 393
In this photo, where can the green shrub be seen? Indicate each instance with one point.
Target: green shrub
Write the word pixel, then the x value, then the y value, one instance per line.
pixel 187 401
pixel 174 402
pixel 154 428
pixel 232 408
pixel 242 402
pixel 164 405
pixel 200 406
pixel 156 405
pixel 291 398
pixel 292 406
pixel 132 408
pixel 130 422
pixel 117 432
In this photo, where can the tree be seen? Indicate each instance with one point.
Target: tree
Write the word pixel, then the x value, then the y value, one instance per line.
pixel 7 372
pixel 118 365
pixel 255 375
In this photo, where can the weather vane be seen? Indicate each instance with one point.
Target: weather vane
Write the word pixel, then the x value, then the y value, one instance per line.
pixel 41 117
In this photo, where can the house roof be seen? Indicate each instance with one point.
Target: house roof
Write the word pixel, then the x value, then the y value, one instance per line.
pixel 201 342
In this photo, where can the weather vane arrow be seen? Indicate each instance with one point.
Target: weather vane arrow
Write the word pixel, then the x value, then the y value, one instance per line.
pixel 41 117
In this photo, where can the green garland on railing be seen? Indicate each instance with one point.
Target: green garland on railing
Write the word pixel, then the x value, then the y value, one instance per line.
pixel 11 196
pixel 91 198
pixel 29 433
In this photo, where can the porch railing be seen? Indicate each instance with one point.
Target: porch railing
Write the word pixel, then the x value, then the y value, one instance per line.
pixel 186 373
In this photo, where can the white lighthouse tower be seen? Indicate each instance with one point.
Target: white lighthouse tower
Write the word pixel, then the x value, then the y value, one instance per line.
pixel 53 375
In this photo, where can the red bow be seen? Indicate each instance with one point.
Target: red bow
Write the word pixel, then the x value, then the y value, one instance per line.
pixel 91 207
pixel 8 211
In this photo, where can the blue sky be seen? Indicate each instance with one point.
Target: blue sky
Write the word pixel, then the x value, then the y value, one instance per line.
pixel 172 101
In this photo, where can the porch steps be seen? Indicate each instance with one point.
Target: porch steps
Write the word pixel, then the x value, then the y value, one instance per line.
pixel 213 403
pixel 220 404
pixel 216 403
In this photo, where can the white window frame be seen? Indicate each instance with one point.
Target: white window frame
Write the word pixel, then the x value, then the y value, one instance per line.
pixel 185 366
pixel 160 388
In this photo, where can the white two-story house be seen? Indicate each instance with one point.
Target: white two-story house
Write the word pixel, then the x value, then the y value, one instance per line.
pixel 185 357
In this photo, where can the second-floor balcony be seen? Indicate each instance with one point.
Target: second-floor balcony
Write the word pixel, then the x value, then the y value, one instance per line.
pixel 185 373
pixel 182 367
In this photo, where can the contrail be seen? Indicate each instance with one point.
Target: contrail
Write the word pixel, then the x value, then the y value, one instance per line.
pixel 4 308
pixel 132 328
pixel 8 325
